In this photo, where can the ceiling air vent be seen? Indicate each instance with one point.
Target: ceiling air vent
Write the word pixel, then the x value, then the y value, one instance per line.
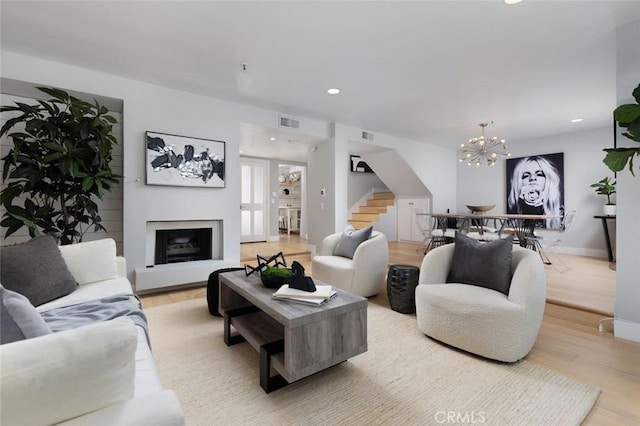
pixel 289 123
pixel 367 135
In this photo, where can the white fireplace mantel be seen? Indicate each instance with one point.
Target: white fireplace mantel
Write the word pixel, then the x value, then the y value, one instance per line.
pixel 169 275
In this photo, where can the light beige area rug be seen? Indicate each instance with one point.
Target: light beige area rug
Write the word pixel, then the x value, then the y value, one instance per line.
pixel 403 378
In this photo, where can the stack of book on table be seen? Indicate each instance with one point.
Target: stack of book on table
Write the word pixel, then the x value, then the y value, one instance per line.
pixel 318 297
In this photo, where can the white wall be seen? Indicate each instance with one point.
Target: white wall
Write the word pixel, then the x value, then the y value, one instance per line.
pixel 321 167
pixel 582 166
pixel 435 166
pixel 160 109
pixel 401 179
pixel 627 307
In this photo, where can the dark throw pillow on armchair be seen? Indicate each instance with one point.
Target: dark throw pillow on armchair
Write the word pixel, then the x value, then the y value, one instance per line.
pixel 36 270
pixel 483 264
pixel 350 241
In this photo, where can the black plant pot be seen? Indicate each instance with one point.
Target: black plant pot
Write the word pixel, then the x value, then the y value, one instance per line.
pixel 275 281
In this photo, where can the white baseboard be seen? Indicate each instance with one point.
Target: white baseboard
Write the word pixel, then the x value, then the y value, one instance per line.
pixel 626 330
pixel 272 238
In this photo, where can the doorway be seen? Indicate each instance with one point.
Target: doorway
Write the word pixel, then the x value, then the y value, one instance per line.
pixel 292 199
pixel 253 202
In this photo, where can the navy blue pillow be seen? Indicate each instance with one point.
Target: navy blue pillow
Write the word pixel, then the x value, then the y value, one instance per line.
pixel 485 264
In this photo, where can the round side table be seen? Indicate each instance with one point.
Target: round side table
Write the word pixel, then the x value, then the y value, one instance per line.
pixel 401 288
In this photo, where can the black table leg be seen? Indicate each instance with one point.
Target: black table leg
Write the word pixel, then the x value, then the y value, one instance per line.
pixel 268 383
pixel 227 315
pixel 607 239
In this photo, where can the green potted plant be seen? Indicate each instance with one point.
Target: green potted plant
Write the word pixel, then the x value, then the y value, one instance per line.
pixel 628 117
pixel 57 167
pixel 606 187
pixel 275 276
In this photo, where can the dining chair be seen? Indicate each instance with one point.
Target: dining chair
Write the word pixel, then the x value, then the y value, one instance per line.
pixel 480 229
pixel 423 221
pixel 546 242
pixel 443 231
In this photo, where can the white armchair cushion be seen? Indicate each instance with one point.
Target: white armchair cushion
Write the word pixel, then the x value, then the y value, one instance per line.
pixel 334 270
pixel 57 377
pixel 91 261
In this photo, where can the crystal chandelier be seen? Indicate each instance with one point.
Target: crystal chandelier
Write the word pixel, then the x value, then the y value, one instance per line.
pixel 482 150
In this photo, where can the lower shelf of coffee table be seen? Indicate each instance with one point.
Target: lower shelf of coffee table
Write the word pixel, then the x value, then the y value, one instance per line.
pixel 259 329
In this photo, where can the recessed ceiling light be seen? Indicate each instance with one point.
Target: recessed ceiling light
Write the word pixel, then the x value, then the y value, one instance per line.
pixel 512 1
pixel 272 138
pixel 577 120
pixel 333 91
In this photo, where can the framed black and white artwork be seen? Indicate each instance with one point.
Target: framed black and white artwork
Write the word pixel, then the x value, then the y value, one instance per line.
pixel 535 185
pixel 184 161
pixel 358 165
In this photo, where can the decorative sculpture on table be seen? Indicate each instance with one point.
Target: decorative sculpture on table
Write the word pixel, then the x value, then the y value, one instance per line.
pixel 274 273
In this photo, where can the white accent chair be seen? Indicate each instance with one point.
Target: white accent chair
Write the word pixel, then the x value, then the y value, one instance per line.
pixel 479 320
pixel 363 275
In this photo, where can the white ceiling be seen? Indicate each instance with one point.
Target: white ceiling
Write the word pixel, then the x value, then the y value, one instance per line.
pixel 423 70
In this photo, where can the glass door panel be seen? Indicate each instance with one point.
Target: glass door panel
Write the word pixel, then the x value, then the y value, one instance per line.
pixel 253 217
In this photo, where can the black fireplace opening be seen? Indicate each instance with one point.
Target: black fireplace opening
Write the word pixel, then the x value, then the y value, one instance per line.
pixel 182 245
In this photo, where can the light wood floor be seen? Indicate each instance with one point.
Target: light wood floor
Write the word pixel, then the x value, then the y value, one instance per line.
pixel 587 284
pixel 569 341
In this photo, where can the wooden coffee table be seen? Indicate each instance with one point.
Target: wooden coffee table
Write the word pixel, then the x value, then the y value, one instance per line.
pixel 294 339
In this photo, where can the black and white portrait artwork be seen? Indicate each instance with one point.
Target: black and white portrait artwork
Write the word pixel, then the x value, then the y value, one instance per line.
pixel 535 185
pixel 183 161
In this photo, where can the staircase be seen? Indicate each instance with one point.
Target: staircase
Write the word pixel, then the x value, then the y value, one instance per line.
pixel 370 212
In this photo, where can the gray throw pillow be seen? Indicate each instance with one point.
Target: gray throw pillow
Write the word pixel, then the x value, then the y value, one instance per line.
pixel 19 320
pixel 36 270
pixel 350 241
pixel 483 264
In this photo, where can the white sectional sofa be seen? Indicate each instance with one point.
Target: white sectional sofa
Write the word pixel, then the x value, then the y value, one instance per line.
pixel 97 374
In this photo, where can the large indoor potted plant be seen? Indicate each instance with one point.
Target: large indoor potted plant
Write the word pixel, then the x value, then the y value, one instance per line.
pixel 627 116
pixel 57 167
pixel 606 187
